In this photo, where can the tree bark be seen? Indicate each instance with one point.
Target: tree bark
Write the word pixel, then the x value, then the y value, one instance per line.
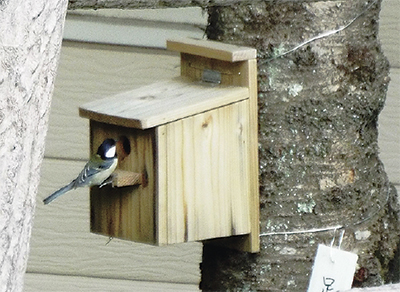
pixel 322 83
pixel 30 42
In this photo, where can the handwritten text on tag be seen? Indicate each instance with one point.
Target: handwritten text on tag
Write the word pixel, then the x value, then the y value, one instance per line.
pixel 333 270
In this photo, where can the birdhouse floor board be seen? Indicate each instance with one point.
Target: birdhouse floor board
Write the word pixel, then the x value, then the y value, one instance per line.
pixel 160 103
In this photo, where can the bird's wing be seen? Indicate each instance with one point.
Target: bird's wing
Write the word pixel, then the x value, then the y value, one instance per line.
pixel 91 169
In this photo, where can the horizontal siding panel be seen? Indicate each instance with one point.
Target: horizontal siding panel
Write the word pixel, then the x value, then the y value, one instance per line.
pixel 88 72
pixel 184 15
pixel 50 283
pixel 138 33
pixel 389 30
pixel 62 244
pixel 389 129
pixel 145 27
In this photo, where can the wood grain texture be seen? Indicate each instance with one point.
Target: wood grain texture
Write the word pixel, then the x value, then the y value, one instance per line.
pixel 127 212
pixel 243 74
pixel 211 49
pixel 49 283
pixel 250 80
pixel 123 178
pixel 206 175
pixel 62 243
pixel 160 103
pixel 389 129
pixel 88 72
pixel 205 189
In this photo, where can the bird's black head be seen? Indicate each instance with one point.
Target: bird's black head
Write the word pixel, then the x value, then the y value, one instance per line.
pixel 107 149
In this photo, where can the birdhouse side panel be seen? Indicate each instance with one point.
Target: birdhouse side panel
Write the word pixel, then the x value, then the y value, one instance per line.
pixel 126 212
pixel 205 189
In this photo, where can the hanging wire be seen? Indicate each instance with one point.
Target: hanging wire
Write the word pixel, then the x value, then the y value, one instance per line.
pixel 322 35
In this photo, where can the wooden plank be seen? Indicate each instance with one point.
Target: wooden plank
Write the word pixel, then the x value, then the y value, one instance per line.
pixel 88 72
pixel 124 178
pixel 49 283
pixel 62 243
pixel 389 31
pixel 211 49
pixel 250 79
pixel 238 74
pixel 161 199
pixel 207 175
pixel 176 215
pixel 231 73
pixel 389 129
pixel 128 212
pixel 160 103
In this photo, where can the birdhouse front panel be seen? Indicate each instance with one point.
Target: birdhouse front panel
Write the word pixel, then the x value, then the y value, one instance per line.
pixel 126 212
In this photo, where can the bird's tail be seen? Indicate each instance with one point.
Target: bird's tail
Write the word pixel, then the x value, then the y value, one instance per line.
pixel 58 193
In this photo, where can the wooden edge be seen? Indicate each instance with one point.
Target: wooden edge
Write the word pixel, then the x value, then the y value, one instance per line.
pixel 211 49
pixel 99 110
pixel 85 112
pixel 249 242
pixel 253 243
pixel 123 178
pixel 161 186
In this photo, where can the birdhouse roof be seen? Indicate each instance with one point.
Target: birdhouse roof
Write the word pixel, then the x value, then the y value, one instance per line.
pixel 160 103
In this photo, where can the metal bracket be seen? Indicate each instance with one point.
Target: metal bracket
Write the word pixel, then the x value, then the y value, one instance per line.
pixel 211 76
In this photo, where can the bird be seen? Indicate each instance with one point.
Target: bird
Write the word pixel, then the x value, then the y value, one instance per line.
pixel 97 170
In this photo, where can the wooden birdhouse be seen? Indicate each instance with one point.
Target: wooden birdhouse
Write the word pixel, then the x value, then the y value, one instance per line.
pixel 190 168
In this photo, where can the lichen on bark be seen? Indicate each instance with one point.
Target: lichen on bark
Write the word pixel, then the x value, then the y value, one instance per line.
pixel 319 163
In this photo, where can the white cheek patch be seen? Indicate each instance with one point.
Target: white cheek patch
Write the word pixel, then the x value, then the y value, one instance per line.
pixel 110 152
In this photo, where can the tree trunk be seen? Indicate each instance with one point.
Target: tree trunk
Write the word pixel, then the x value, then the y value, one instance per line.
pixel 30 42
pixel 319 167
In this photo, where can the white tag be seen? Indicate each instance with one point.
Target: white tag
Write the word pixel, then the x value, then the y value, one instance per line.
pixel 333 270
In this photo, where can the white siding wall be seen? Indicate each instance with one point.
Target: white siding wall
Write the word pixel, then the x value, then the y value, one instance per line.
pixel 389 120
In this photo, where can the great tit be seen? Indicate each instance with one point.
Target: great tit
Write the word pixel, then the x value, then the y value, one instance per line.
pixel 96 171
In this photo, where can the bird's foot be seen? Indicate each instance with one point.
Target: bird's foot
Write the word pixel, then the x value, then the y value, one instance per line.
pixel 108 181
